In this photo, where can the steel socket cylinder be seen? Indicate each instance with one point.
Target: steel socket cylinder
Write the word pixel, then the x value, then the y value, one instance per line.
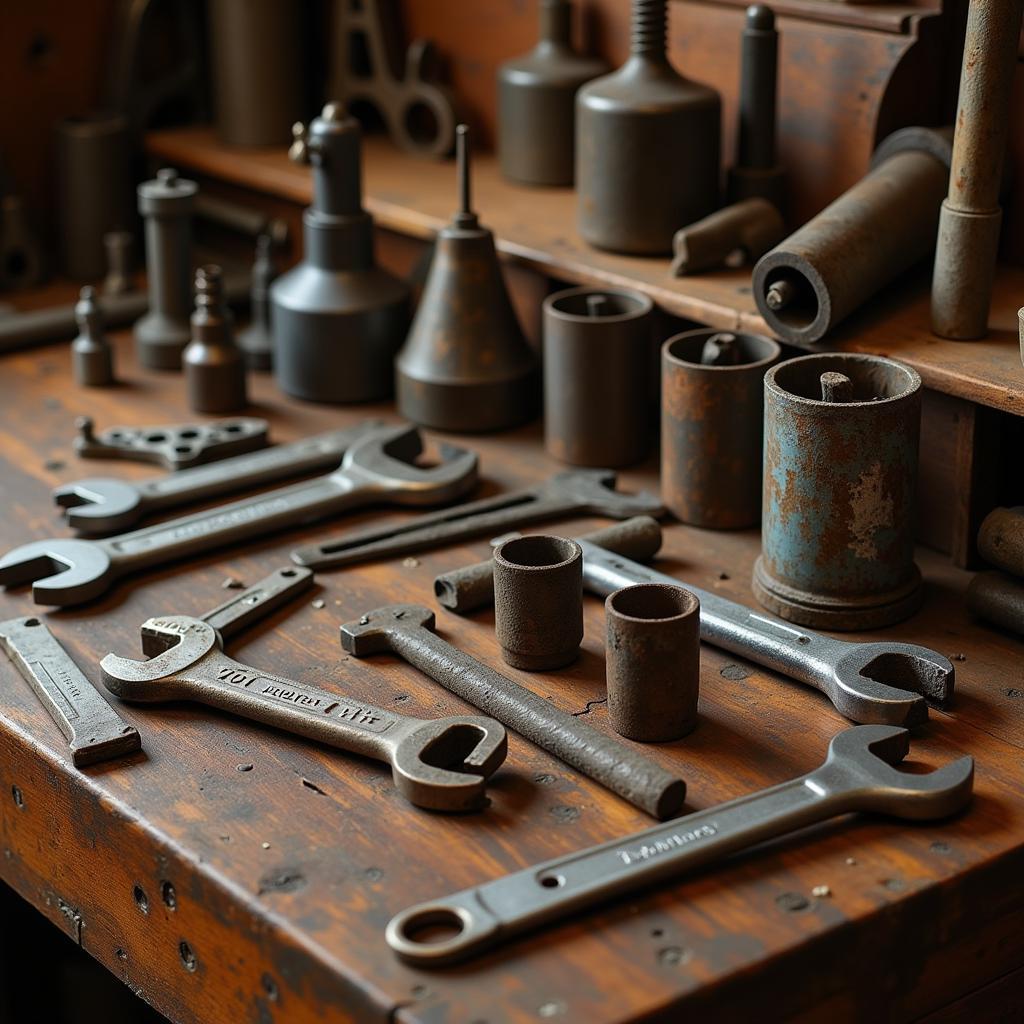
pixel 538 601
pixel 840 476
pixel 94 189
pixel 652 661
pixel 711 427
pixel 596 376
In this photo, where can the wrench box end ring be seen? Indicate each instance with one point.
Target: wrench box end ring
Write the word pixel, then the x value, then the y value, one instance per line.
pixel 464 930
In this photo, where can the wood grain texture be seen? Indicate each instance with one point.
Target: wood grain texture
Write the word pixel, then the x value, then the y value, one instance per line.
pixel 536 228
pixel 284 875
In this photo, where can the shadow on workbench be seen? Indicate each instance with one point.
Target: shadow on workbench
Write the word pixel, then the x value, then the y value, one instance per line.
pixel 46 979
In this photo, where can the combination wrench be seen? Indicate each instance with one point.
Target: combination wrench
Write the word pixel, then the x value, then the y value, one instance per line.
pixel 380 467
pixel 857 775
pixel 104 504
pixel 852 675
pixel 440 764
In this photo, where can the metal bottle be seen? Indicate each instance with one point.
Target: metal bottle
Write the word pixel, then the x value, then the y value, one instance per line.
pixel 537 102
pixel 337 318
pixel 256 341
pixel 214 365
pixel 647 146
pixel 92 359
pixel 166 203
pixel 756 173
pixel 466 365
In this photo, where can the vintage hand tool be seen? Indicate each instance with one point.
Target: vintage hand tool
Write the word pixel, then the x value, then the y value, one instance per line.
pixel 856 776
pixel 576 492
pixel 441 765
pixel 173 445
pixel 95 732
pixel 418 112
pixel 471 587
pixel 379 468
pixel 850 674
pixel 103 504
pixel 406 630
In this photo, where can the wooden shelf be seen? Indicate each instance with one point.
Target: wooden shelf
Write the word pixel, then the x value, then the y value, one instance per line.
pixel 536 227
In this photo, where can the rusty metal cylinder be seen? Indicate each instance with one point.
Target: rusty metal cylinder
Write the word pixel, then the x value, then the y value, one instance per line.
pixel 1001 539
pixel 871 234
pixel 711 426
pixel 837 534
pixel 652 661
pixel 537 102
pixel 597 387
pixel 968 233
pixel 538 601
pixel 257 68
pixel 647 146
pixel 997 598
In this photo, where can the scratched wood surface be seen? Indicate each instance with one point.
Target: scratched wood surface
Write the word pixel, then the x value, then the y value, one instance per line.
pixel 223 895
pixel 536 228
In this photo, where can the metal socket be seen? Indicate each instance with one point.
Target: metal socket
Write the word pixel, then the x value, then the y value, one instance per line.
pixel 597 376
pixel 840 477
pixel 652 661
pixel 538 601
pixel 711 428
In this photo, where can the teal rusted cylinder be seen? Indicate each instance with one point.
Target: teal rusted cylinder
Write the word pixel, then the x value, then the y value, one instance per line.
pixel 838 516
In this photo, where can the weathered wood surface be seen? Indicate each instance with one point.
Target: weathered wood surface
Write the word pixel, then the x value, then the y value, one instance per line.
pixel 536 228
pixel 283 876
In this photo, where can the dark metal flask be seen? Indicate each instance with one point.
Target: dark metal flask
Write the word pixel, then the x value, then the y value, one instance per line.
pixel 840 473
pixel 537 102
pixel 647 146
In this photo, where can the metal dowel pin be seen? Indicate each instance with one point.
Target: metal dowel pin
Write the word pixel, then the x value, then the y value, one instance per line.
pixel 836 387
pixel 597 305
pixel 720 350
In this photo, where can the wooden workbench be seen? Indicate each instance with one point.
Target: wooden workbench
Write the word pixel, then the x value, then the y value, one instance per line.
pixel 228 895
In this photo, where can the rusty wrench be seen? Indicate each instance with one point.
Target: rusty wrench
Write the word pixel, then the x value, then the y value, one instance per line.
pixel 440 765
pixel 105 504
pixel 856 776
pixel 849 674
pixel 378 468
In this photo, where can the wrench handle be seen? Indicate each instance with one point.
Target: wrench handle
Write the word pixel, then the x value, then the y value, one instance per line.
pixel 322 452
pixel 556 888
pixel 488 516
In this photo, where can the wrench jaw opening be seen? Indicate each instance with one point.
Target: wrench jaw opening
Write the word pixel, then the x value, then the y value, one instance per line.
pixel 891 684
pixel 179 642
pixel 865 758
pixel 98 505
pixel 62 571
pixel 444 765
pixel 373 632
pixel 438 933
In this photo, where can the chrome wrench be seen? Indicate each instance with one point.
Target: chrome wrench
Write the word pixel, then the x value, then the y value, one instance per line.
pixel 856 776
pixel 867 682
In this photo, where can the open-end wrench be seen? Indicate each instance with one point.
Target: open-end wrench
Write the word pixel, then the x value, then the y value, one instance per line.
pixel 884 682
pixel 104 504
pixel 94 730
pixel 856 776
pixel 378 468
pixel 440 765
pixel 575 492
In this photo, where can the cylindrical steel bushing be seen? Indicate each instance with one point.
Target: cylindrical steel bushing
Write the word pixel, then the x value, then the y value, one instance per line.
pixel 167 204
pixel 712 416
pixel 837 533
pixel 1001 539
pixel 870 235
pixel 538 601
pixel 258 69
pixel 652 659
pixel 596 376
pixel 537 102
pixel 94 189
pixel 997 598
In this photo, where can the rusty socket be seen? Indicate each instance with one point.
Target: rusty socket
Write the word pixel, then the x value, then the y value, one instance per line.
pixel 652 661
pixel 596 376
pixel 711 430
pixel 538 601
